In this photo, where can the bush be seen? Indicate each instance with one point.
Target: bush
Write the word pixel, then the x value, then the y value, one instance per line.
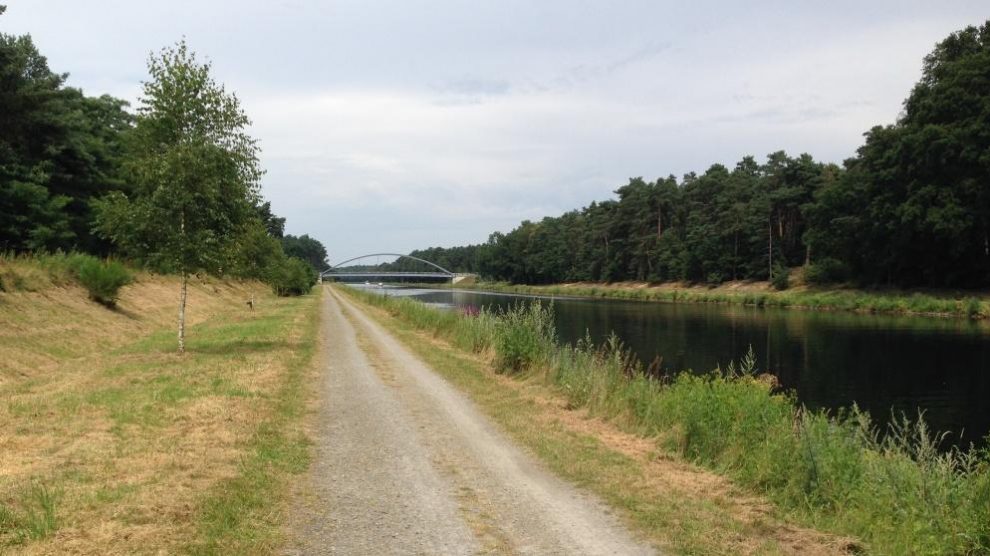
pixel 523 335
pixel 103 279
pixel 781 278
pixel 292 276
pixel 973 308
pixel 826 271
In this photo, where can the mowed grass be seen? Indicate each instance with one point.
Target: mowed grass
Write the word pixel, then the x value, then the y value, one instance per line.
pixel 112 443
pixel 682 508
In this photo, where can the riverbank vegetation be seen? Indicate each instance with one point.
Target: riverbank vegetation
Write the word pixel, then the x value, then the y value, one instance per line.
pixel 898 492
pixel 910 209
pixel 113 443
pixel 893 302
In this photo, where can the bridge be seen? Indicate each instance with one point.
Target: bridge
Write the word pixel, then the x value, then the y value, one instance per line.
pixel 336 272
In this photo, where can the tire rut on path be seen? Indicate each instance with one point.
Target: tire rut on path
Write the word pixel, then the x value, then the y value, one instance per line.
pixel 405 464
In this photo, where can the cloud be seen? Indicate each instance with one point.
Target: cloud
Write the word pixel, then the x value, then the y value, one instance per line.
pixel 474 86
pixel 394 125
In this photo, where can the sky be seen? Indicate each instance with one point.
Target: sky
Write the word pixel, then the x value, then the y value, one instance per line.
pixel 387 126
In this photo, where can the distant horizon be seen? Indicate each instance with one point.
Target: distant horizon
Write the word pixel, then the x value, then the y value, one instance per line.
pixel 432 125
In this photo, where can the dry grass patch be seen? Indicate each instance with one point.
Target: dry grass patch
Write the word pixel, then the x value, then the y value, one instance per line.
pixel 133 442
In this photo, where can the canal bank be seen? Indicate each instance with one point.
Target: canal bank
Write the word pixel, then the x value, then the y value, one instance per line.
pixel 898 496
pixel 885 364
pixel 970 305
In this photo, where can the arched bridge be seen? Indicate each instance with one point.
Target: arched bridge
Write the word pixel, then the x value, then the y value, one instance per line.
pixel 336 272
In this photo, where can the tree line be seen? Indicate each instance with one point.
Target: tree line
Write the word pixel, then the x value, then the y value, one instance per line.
pixel 910 209
pixel 173 186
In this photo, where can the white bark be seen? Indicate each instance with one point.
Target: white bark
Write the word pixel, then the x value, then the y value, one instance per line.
pixel 182 290
pixel 182 314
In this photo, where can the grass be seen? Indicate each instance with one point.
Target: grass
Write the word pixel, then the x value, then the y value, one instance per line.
pixel 893 302
pixel 113 443
pixel 897 493
pixel 679 506
pixel 33 515
pixel 33 272
pixel 236 517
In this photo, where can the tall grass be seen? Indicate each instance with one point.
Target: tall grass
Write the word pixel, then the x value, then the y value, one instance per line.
pixel 38 271
pixel 36 518
pixel 898 491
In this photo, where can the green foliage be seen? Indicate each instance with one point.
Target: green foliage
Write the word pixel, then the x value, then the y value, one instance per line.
pixel 103 279
pixel 910 209
pixel 274 225
pixel 973 308
pixel 524 335
pixel 58 150
pixel 195 173
pixel 828 270
pixel 781 278
pixel 913 208
pixel 257 255
pixel 175 188
pixel 898 492
pixel 293 276
pixel 307 249
pixel 194 168
pixel 34 272
pixel 36 518
pixel 843 300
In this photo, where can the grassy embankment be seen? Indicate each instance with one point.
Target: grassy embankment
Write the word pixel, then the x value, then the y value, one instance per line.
pixel 111 442
pixel 760 294
pixel 897 496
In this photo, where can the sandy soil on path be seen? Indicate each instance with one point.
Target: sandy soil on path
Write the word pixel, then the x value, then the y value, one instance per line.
pixel 406 465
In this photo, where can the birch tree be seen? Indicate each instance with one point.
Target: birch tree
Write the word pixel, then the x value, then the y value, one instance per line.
pixel 195 174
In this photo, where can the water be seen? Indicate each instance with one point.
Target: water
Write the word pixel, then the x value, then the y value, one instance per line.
pixel 829 359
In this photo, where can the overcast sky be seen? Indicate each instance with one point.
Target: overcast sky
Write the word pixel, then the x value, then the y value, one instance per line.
pixel 391 126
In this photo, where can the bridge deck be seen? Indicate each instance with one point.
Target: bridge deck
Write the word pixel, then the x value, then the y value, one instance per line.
pixel 387 275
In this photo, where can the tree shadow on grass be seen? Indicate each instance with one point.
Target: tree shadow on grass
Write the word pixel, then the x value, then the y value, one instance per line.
pixel 121 311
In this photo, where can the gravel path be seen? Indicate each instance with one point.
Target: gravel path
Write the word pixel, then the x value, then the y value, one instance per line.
pixel 406 465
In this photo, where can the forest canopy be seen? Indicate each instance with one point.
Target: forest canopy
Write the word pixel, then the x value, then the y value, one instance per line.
pixel 87 174
pixel 911 208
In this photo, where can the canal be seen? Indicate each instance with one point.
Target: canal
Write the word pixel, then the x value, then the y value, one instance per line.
pixel 882 363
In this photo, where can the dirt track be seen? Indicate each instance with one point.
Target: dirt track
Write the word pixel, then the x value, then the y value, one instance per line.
pixel 406 465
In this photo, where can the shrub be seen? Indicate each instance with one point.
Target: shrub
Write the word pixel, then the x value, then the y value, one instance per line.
pixel 973 308
pixel 826 271
pixel 292 276
pixel 103 279
pixel 781 278
pixel 523 334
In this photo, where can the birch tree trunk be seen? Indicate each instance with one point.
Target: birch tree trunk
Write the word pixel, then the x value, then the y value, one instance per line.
pixel 182 288
pixel 182 313
pixel 770 230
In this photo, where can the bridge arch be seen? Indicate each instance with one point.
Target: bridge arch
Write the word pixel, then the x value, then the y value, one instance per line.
pixel 434 265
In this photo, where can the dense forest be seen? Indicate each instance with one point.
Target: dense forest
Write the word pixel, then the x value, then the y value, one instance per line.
pixel 173 186
pixel 911 208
